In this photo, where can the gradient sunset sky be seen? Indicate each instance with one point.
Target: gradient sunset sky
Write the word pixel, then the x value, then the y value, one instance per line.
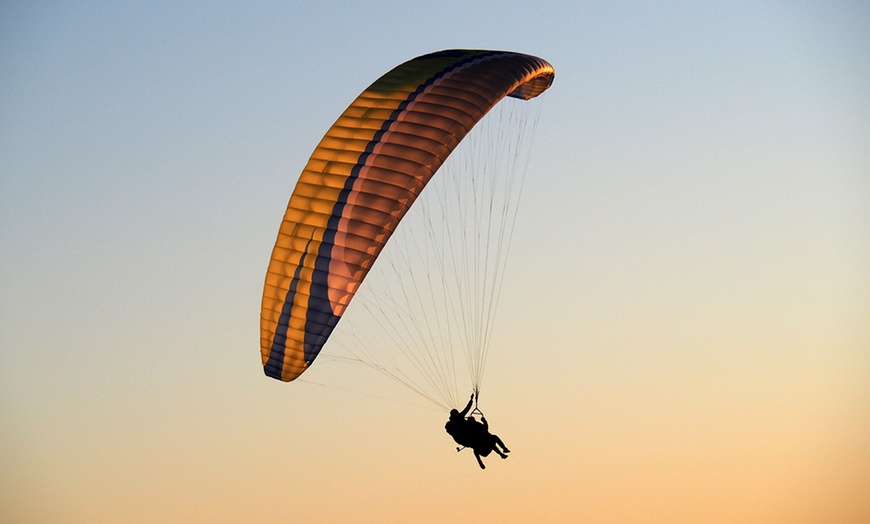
pixel 684 333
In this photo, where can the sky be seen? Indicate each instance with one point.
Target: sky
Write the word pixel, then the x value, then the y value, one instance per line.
pixel 684 329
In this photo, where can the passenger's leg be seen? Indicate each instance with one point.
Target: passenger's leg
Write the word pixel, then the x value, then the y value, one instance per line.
pixel 477 456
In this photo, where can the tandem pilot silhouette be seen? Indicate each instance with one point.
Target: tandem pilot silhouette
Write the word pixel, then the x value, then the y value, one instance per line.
pixel 470 433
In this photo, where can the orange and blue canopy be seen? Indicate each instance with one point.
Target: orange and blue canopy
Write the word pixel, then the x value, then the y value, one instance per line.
pixel 363 177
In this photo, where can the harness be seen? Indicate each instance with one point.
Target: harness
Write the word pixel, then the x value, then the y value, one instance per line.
pixel 475 411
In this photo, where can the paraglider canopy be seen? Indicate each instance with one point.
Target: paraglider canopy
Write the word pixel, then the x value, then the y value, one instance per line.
pixel 360 181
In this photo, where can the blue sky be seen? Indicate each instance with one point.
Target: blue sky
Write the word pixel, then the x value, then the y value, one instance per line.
pixel 683 331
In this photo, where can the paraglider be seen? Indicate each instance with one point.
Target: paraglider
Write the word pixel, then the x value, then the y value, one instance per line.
pixel 359 183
